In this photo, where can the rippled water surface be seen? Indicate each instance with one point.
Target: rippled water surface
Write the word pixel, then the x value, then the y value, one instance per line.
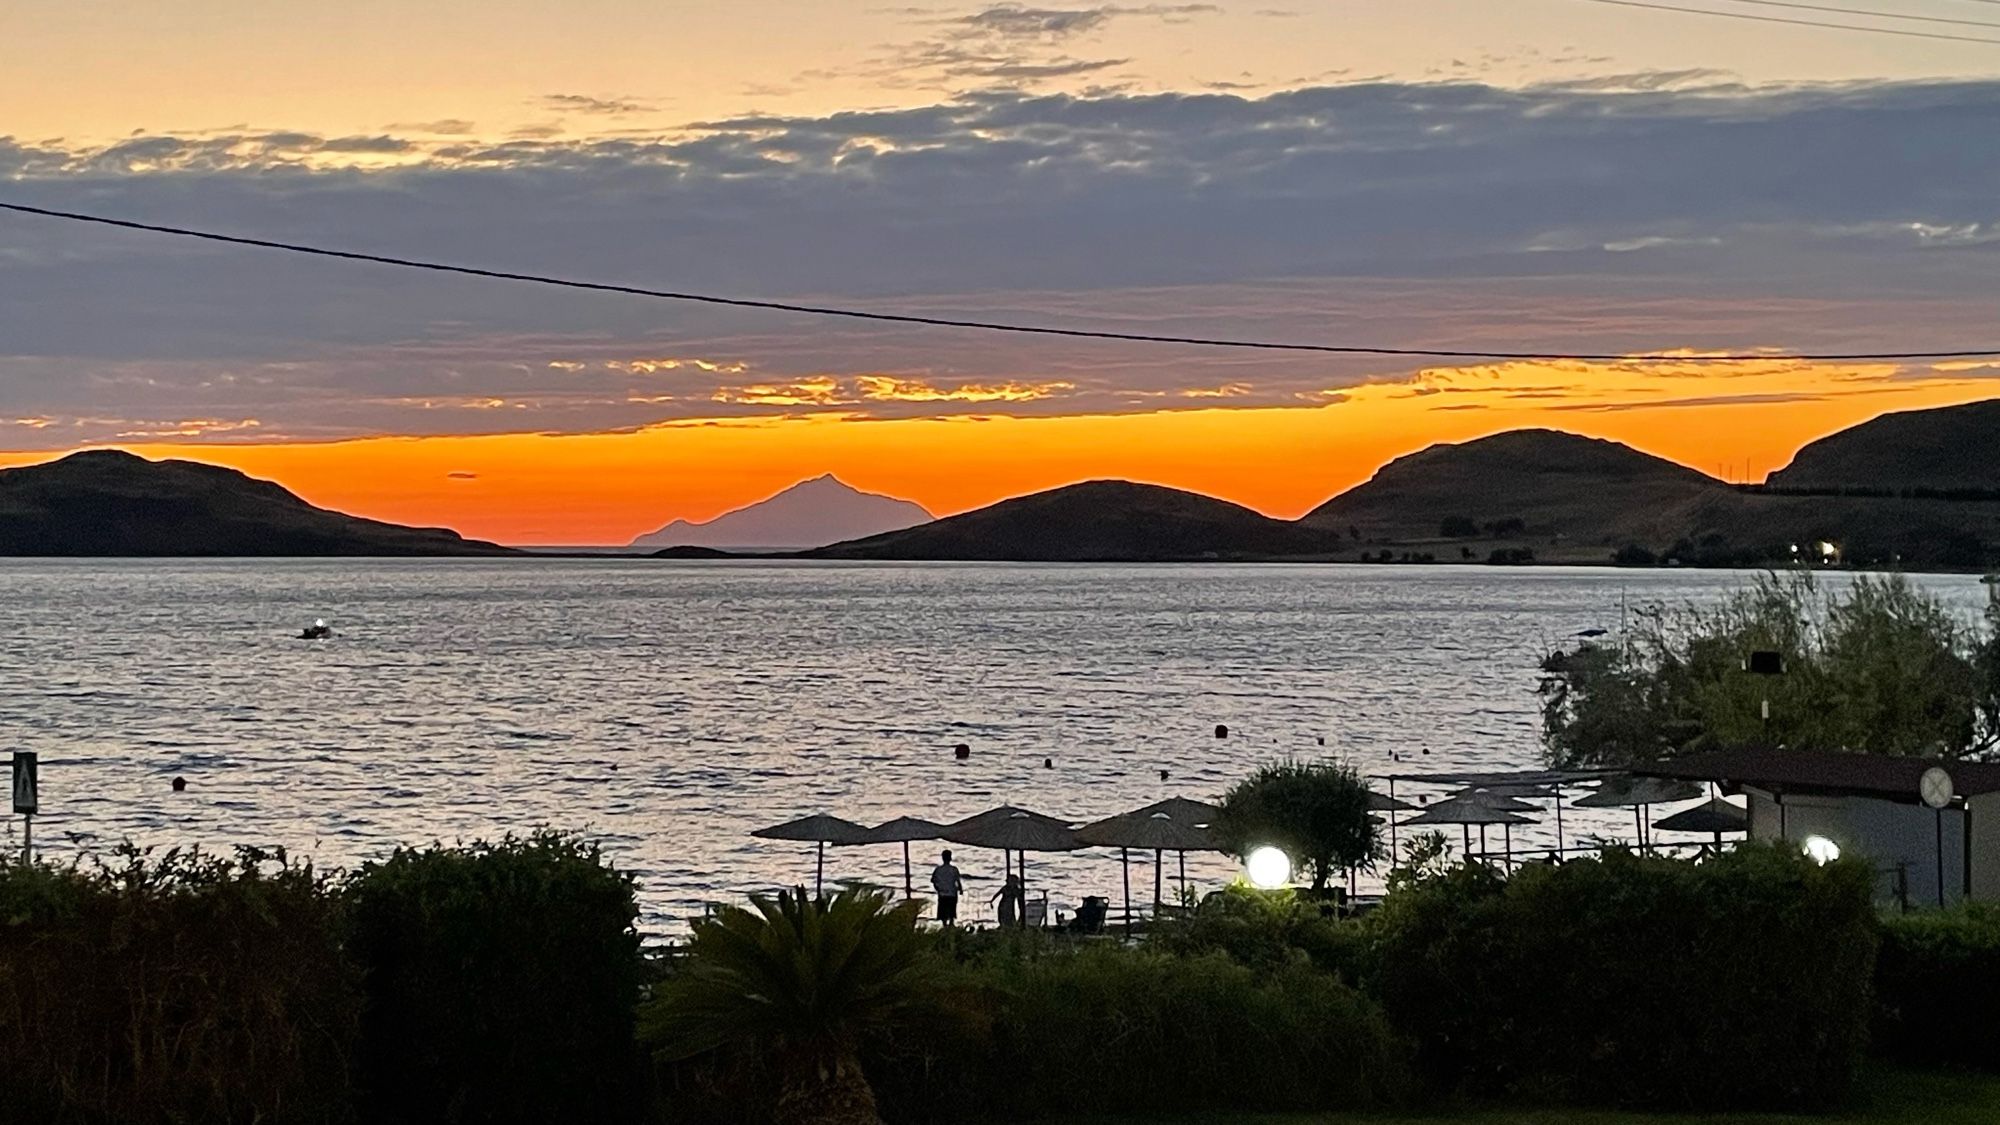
pixel 670 708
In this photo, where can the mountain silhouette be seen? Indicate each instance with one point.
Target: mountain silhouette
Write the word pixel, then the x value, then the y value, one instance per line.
pixel 108 502
pixel 1561 496
pixel 1577 499
pixel 811 513
pixel 1944 448
pixel 1553 485
pixel 1096 521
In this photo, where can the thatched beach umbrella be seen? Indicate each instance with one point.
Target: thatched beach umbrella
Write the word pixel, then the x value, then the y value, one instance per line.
pixel 1009 829
pixel 903 830
pixel 1499 802
pixel 1713 815
pixel 1389 804
pixel 1466 812
pixel 1159 832
pixel 818 829
pixel 1637 794
pixel 1187 811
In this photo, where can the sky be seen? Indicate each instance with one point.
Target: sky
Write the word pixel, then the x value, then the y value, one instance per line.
pixel 1524 175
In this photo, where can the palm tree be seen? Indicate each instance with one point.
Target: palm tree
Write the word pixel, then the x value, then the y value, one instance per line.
pixel 803 981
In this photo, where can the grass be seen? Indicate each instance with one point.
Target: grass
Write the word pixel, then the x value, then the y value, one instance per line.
pixel 1889 1097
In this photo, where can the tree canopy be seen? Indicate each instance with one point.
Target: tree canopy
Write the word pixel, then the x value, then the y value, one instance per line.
pixel 1315 812
pixel 1876 666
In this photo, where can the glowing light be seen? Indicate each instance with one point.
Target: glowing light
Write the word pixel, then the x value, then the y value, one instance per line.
pixel 1821 850
pixel 1268 868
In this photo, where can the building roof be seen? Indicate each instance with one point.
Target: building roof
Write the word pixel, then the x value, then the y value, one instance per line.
pixel 1810 771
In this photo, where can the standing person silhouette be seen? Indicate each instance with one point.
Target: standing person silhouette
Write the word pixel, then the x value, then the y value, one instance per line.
pixel 947 882
pixel 1013 900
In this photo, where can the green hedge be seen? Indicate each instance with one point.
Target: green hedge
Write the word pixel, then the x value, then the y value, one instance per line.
pixel 500 982
pixel 1739 982
pixel 1268 929
pixel 1105 1030
pixel 493 983
pixel 173 988
pixel 1937 984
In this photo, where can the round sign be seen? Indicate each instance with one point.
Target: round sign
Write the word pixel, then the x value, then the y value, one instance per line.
pixel 1935 787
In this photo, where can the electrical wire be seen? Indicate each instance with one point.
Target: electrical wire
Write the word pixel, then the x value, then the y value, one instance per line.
pixel 1868 13
pixel 1903 32
pixel 979 325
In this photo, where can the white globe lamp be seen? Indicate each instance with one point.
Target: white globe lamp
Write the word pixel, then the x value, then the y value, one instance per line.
pixel 1821 850
pixel 1268 868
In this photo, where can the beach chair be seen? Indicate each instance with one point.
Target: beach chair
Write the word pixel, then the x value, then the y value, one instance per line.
pixel 1035 912
pixel 1091 915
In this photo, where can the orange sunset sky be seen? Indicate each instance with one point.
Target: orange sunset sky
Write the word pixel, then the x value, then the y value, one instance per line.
pixel 1543 176
pixel 607 488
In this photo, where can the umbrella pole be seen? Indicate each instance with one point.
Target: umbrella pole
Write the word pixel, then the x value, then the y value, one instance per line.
pixel 1466 831
pixel 1639 826
pixel 819 872
pixel 1392 822
pixel 1183 856
pixel 1507 835
pixel 1482 841
pixel 1562 844
pixel 1125 868
pixel 909 891
pixel 1159 861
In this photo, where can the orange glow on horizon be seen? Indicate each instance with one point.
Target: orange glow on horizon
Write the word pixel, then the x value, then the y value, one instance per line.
pixel 543 489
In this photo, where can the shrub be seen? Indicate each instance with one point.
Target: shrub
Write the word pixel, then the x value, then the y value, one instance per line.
pixel 1316 812
pixel 500 983
pixel 1458 527
pixel 178 988
pixel 1108 1030
pixel 791 991
pixel 1267 930
pixel 1738 982
pixel 1937 981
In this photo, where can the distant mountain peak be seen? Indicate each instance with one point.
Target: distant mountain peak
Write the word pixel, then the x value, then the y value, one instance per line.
pixel 810 513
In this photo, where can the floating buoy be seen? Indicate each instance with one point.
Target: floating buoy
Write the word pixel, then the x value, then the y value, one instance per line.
pixel 961 751
pixel 1164 775
pixel 1321 740
pixel 1048 763
pixel 180 785
pixel 1221 731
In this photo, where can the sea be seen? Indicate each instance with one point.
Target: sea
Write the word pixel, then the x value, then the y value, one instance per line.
pixel 669 708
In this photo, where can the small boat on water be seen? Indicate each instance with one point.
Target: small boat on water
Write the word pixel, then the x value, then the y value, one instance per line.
pixel 319 630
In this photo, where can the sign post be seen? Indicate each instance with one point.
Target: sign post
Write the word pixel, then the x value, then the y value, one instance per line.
pixel 27 799
pixel 1934 788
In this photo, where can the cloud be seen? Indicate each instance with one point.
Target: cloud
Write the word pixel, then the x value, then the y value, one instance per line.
pixel 447 126
pixel 1017 21
pixel 461 475
pixel 1008 45
pixel 602 107
pixel 1836 217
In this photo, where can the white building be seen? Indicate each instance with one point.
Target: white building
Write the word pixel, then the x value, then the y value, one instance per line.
pixel 1871 807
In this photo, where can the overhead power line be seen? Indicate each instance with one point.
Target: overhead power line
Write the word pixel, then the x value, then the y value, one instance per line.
pixel 1798 22
pixel 980 325
pixel 1868 13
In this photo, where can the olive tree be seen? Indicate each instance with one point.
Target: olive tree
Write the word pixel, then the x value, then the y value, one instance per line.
pixel 1875 666
pixel 1316 812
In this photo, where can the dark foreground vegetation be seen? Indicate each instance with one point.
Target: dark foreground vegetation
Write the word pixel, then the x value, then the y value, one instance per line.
pixel 505 983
